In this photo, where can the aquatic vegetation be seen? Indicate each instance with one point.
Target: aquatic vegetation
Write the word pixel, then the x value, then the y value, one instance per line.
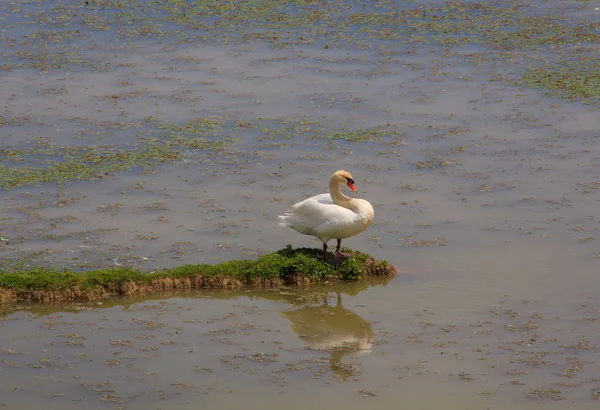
pixel 287 266
pixel 156 145
pixel 549 51
pixel 436 162
pixel 510 25
pixel 365 135
pixel 574 79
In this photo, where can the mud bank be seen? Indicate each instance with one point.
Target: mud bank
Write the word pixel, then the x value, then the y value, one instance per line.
pixel 290 267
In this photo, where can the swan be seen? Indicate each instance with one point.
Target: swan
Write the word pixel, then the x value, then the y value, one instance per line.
pixel 332 215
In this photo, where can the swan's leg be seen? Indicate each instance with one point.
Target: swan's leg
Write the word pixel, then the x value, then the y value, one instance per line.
pixel 324 251
pixel 338 249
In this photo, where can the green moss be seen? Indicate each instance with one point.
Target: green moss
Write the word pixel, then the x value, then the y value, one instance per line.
pixel 353 267
pixel 285 267
pixel 290 261
pixel 232 269
pixel 39 278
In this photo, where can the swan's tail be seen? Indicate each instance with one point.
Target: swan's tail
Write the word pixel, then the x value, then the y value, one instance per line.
pixel 283 221
pixel 297 223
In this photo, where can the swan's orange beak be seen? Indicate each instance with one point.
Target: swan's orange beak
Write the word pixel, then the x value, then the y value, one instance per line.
pixel 351 185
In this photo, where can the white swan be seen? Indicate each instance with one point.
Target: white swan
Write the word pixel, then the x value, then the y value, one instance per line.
pixel 332 215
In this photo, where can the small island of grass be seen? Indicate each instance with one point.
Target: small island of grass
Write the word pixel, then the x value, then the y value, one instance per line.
pixel 290 267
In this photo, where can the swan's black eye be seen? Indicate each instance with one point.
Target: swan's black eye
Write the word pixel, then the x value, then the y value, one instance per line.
pixel 350 180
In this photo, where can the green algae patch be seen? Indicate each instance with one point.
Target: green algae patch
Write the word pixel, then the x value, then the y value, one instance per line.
pixel 575 80
pixel 286 267
pixel 45 162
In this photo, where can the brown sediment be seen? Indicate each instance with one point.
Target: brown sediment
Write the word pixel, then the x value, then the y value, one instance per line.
pixel 142 284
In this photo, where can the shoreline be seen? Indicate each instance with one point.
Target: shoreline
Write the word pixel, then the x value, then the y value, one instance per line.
pixel 286 267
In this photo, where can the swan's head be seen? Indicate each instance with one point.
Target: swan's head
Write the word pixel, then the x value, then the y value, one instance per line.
pixel 344 177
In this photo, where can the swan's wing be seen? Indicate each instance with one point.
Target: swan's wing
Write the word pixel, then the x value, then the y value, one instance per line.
pixel 321 209
pixel 301 216
pixel 319 216
pixel 308 203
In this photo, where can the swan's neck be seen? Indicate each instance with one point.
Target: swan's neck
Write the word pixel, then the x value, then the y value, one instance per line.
pixel 337 196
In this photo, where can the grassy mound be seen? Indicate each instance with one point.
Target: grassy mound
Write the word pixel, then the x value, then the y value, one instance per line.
pixel 296 267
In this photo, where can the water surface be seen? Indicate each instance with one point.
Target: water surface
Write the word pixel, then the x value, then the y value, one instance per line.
pixel 195 138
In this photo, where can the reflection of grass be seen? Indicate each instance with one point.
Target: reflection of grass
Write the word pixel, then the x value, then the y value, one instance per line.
pixel 286 267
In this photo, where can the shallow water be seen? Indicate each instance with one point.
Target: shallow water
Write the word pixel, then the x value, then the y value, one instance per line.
pixel 485 197
pixel 411 340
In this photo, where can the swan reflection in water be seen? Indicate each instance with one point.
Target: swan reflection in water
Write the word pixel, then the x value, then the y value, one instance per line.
pixel 333 329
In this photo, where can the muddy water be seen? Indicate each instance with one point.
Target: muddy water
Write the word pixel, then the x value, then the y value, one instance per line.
pixel 486 199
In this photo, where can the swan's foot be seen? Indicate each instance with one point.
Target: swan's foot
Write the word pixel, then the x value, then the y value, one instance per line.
pixel 338 250
pixel 338 256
